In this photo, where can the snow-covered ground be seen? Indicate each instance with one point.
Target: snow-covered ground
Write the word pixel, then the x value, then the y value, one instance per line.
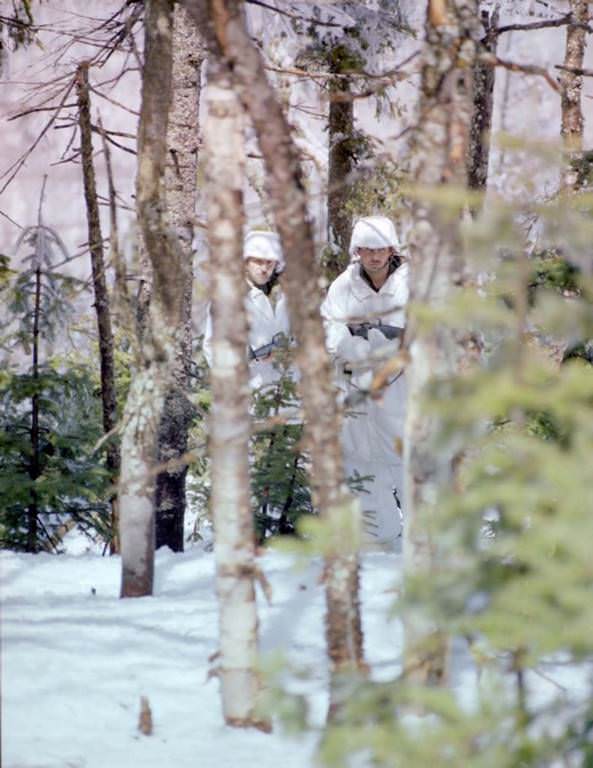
pixel 76 660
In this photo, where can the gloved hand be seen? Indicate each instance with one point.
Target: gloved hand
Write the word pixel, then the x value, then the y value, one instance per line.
pixel 353 349
pixel 378 343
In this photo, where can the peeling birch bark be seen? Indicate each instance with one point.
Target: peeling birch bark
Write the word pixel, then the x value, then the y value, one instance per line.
pixel 442 142
pixel 223 24
pixel 230 420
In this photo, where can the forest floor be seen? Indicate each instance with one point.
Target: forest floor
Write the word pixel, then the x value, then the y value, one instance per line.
pixel 76 660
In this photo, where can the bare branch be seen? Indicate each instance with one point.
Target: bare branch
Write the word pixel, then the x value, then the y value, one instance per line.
pixel 31 111
pixel 114 102
pixel 12 221
pixel 546 24
pixel 575 70
pixel 528 69
pixel 12 171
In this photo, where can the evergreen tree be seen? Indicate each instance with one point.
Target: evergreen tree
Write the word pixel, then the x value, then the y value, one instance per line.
pixel 50 415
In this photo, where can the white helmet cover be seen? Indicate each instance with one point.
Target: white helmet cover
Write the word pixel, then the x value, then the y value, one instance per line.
pixel 260 244
pixel 373 232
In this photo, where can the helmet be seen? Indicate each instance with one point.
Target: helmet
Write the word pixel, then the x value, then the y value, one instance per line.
pixel 260 244
pixel 373 232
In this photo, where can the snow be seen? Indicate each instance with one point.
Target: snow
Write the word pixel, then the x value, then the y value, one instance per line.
pixel 76 660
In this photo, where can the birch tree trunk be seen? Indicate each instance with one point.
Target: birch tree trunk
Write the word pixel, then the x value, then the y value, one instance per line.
pixel 157 346
pixel 442 141
pixel 571 85
pixel 229 424
pixel 180 184
pixel 102 304
pixel 224 24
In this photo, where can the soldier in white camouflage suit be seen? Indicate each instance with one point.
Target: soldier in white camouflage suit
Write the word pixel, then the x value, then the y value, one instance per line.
pixel 364 314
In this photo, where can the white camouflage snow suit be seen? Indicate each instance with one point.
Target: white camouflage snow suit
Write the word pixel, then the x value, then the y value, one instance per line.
pixel 372 431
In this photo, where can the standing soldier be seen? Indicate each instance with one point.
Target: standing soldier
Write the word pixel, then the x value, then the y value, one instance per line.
pixel 267 313
pixel 364 313
pixel 275 455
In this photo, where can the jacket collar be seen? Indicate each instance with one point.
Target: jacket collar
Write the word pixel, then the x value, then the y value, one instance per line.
pixel 361 289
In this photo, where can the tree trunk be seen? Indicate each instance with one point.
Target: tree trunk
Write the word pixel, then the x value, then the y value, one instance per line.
pixel 483 102
pixel 224 23
pixel 442 142
pixel 229 425
pixel 340 164
pixel 149 384
pixel 102 308
pixel 180 183
pixel 572 86
pixel 34 466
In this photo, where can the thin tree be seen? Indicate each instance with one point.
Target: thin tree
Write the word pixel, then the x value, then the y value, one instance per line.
pixel 483 99
pixel 229 424
pixel 180 191
pixel 223 24
pixel 157 348
pixel 442 141
pixel 571 84
pixel 101 295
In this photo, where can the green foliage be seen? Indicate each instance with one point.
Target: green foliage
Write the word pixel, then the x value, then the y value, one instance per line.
pixel 72 484
pixel 50 477
pixel 279 479
pixel 550 270
pixel 511 526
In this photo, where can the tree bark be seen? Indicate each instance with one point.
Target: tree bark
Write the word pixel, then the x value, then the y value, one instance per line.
pixel 229 424
pixel 34 466
pixel 102 305
pixel 340 164
pixel 224 25
pixel 483 103
pixel 442 142
pixel 571 86
pixel 180 184
pixel 150 382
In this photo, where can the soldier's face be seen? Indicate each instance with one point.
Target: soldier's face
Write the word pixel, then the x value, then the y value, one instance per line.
pixel 374 259
pixel 259 271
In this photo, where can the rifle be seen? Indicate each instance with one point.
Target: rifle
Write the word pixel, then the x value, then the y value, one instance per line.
pixel 279 341
pixel 362 329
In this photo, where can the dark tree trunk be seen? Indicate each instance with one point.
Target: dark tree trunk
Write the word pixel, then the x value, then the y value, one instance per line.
pixel 34 466
pixel 102 308
pixel 340 165
pixel 170 499
pixel 483 98
pixel 180 183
